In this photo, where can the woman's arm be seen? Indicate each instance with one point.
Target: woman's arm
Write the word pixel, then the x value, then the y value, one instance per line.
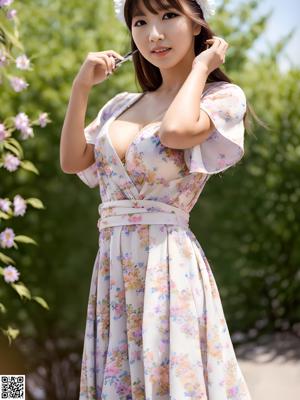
pixel 184 124
pixel 75 154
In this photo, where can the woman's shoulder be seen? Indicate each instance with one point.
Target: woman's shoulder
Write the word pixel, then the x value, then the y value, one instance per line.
pixel 114 103
pixel 225 87
pixel 224 101
pixel 122 97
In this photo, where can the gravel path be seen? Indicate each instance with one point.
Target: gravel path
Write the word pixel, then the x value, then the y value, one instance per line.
pixel 271 367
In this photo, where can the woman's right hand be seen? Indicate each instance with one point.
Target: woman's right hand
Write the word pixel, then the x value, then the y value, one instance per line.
pixel 214 56
pixel 96 67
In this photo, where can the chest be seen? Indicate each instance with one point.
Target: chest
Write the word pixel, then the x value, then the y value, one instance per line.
pixel 123 133
pixel 134 119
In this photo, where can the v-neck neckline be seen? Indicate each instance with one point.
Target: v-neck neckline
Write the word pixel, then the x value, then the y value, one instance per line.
pixel 148 126
pixel 115 116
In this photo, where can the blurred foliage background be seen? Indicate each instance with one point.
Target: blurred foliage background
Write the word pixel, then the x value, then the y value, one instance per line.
pixel 246 220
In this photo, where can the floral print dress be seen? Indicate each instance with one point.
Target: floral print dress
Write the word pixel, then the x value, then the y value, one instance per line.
pixel 155 327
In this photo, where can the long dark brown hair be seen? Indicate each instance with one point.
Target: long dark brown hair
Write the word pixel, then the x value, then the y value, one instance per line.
pixel 149 76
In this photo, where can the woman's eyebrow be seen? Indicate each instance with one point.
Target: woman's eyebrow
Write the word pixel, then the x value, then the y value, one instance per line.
pixel 140 13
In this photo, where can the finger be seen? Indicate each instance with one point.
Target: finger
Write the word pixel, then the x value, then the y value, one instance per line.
pixel 216 44
pixel 220 42
pixel 214 41
pixel 115 54
pixel 218 38
pixel 105 59
pixel 223 52
pixel 96 61
pixel 96 58
pixel 112 63
pixel 108 53
pixel 224 47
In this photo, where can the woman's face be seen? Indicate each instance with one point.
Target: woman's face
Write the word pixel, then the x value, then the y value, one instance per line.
pixel 169 28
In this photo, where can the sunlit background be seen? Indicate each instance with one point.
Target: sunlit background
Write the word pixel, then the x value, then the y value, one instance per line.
pixel 247 219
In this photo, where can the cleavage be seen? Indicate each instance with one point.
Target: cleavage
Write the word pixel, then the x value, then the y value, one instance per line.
pixel 123 135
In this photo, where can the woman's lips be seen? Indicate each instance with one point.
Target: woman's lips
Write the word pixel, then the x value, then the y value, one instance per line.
pixel 161 53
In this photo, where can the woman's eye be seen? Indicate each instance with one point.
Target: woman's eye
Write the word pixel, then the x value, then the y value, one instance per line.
pixel 139 20
pixel 168 13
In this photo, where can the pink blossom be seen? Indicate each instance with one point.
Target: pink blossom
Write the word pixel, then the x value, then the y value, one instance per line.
pixel 11 274
pixel 19 205
pixel 43 119
pixel 11 14
pixel 18 84
pixel 11 162
pixel 5 3
pixel 5 204
pixel 2 58
pixel 2 132
pixel 26 133
pixel 21 122
pixel 22 62
pixel 7 238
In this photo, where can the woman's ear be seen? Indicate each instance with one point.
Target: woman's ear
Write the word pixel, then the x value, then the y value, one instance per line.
pixel 196 28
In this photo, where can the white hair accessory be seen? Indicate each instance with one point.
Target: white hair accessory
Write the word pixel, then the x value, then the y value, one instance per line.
pixel 207 7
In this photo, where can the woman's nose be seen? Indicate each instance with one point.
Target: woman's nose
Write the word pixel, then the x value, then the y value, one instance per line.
pixel 155 34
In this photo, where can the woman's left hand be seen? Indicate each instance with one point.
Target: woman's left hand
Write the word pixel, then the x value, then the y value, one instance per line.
pixel 212 57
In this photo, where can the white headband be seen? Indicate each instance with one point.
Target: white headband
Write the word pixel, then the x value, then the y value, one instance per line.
pixel 207 7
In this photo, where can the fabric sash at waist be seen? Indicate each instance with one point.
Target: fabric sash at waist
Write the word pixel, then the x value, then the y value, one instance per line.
pixel 131 212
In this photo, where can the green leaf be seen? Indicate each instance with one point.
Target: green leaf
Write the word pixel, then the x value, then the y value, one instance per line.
pixel 3 215
pixel 22 290
pixel 2 37
pixel 11 333
pixel 34 202
pixel 12 149
pixel 15 143
pixel 24 239
pixel 41 301
pixel 29 166
pixel 9 37
pixel 2 308
pixel 5 259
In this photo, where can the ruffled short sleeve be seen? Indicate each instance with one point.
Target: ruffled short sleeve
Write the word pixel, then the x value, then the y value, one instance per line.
pixel 225 103
pixel 90 175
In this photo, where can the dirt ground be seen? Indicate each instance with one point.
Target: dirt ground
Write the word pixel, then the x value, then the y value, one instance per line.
pixel 271 367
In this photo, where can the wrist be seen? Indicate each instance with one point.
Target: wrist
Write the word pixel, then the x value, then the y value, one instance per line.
pixel 200 68
pixel 81 87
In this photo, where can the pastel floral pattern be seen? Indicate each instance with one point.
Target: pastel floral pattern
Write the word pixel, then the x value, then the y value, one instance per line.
pixel 155 327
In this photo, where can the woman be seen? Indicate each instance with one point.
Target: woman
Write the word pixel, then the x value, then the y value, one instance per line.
pixel 155 325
